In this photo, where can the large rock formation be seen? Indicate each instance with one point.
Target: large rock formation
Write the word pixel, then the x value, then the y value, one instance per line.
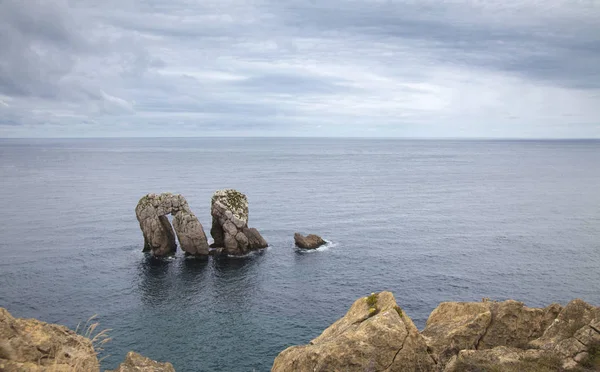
pixel 455 326
pixel 310 241
pixel 135 362
pixel 159 237
pixel 374 335
pixel 29 345
pixel 229 210
pixel 459 336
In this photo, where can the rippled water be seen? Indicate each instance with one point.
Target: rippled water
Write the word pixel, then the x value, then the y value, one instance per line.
pixel 430 221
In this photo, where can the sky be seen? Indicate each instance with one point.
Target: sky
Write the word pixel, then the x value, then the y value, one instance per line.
pixel 327 68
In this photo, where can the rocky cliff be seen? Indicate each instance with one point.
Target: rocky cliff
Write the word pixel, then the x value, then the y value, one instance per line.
pixel 29 345
pixel 376 335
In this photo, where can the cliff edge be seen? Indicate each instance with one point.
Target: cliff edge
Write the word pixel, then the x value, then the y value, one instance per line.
pixel 377 335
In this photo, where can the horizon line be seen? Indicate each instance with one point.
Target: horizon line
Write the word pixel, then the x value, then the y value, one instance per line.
pixel 323 137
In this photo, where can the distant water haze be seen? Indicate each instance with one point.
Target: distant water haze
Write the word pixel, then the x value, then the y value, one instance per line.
pixel 430 221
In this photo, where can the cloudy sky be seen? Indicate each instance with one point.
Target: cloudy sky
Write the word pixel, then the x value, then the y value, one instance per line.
pixel 402 68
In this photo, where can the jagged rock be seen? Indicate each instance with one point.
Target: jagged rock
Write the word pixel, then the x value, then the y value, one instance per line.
pixel 32 345
pixel 504 358
pixel 573 332
pixel 455 326
pixel 229 210
pixel 459 337
pixel 308 242
pixel 135 362
pixel 508 317
pixel 159 237
pixel 374 335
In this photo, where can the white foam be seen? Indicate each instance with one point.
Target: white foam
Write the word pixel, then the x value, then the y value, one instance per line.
pixel 328 244
pixel 250 254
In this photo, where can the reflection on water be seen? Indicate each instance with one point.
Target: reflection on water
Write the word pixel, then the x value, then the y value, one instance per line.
pixel 155 283
pixel 189 280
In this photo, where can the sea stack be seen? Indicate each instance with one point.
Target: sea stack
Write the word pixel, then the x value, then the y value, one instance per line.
pixel 229 210
pixel 310 241
pixel 159 237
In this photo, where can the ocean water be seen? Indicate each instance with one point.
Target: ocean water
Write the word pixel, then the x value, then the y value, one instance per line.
pixel 430 221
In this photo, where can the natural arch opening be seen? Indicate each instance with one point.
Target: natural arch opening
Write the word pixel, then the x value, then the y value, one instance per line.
pixel 161 231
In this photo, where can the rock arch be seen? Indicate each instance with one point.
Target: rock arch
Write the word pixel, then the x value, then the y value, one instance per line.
pixel 159 236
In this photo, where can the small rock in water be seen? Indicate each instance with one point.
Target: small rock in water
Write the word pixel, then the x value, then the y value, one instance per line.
pixel 311 241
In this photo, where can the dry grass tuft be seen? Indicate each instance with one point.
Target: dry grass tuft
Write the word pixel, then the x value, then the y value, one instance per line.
pixel 81 355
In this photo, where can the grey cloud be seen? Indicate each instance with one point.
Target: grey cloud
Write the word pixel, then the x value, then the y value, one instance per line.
pixel 559 50
pixel 42 46
pixel 36 42
pixel 293 84
pixel 289 66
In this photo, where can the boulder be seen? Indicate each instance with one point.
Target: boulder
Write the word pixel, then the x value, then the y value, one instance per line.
pixel 229 210
pixel 308 242
pixel 135 362
pixel 159 236
pixel 573 335
pixel 32 345
pixel 456 326
pixel 505 359
pixel 374 335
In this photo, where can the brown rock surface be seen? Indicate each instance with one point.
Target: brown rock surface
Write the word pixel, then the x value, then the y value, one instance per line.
pixel 459 336
pixel 32 345
pixel 29 345
pixel 135 362
pixel 455 326
pixel 505 359
pixel 574 332
pixel 374 335
pixel 310 241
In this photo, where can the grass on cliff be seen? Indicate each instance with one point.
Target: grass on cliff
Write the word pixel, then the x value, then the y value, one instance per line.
pixel 98 338
pixel 79 361
pixel 372 303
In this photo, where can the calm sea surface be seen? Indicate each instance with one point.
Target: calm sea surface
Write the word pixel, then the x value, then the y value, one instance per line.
pixel 430 221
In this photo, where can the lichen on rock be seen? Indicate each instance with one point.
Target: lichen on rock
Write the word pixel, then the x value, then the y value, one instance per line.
pixel 234 201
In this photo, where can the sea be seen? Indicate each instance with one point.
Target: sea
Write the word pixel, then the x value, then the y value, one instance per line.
pixel 429 220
